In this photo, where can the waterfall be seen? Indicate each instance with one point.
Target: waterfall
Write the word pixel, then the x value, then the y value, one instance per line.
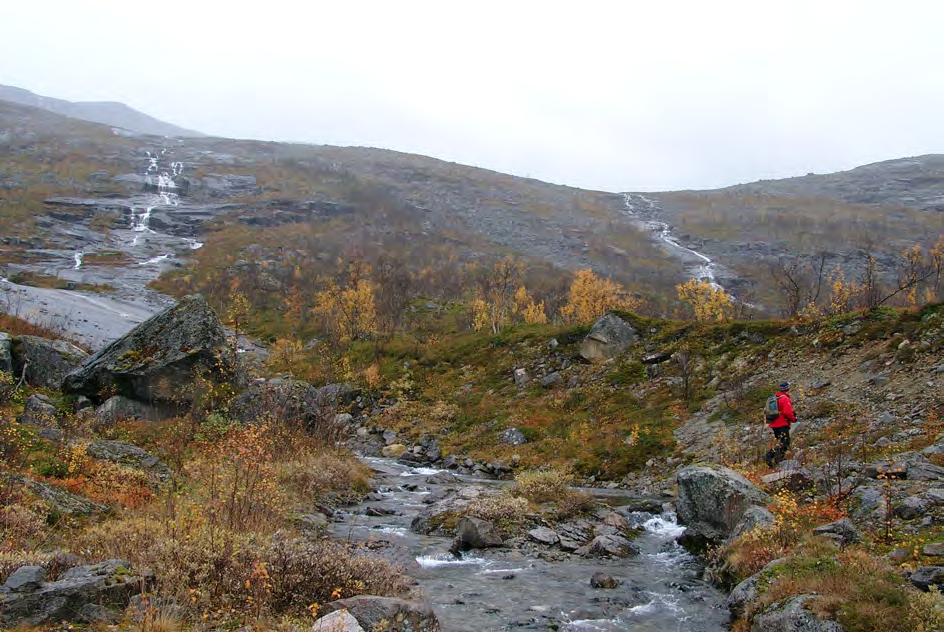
pixel 78 260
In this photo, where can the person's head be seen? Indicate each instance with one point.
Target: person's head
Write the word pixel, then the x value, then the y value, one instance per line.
pixel 784 387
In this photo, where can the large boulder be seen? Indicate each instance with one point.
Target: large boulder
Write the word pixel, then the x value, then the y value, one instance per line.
pixel 6 354
pixel 119 407
pixel 59 500
pixel 609 337
pixel 746 593
pixel 792 616
pixel 389 614
pixel 38 603
pixel 291 401
pixel 712 501
pixel 475 533
pixel 46 361
pixel 157 360
pixel 39 411
pixel 337 621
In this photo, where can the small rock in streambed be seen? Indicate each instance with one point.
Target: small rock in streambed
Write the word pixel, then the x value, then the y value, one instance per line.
pixel 602 580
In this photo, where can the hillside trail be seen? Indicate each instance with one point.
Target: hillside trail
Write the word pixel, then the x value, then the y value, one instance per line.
pixel 511 589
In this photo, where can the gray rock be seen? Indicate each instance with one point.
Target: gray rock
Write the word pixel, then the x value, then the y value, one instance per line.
pixel 96 613
pixel 337 621
pixel 602 580
pixel 935 549
pixel 885 418
pixel 609 546
pixel 430 520
pixel 344 419
pixel 118 408
pixel 608 338
pixel 754 517
pixel 792 616
pixel 793 480
pixel 543 535
pixel 6 356
pixel 39 411
pixel 745 593
pixel 521 378
pixel 386 613
pixel 129 455
pixel 293 402
pixel 442 478
pixel 59 500
pixel 110 583
pixel 513 436
pixel 157 360
pixel 475 533
pixel 574 535
pixel 841 530
pixel 617 521
pixel 912 507
pixel 712 501
pixel 552 379
pixel 927 576
pixel 389 437
pixel 46 362
pixel 24 579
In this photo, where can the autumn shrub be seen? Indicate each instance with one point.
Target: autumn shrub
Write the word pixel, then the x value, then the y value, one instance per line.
pixel 218 574
pixel 102 481
pixel 506 511
pixel 316 472
pixel 542 486
pixel 858 590
pixel 574 503
pixel 926 611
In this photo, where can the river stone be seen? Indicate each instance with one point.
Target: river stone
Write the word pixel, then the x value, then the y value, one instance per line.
pixel 337 621
pixel 110 583
pixel 389 437
pixel 551 380
pixel 389 614
pixel 39 411
pixel 394 451
pixel 24 579
pixel 521 378
pixel 442 478
pixel 157 360
pixel 608 338
pixel 610 545
pixel 543 535
pixel 574 535
pixel 46 362
pixel 614 519
pixel 130 455
pixel 713 500
pixel 475 533
pixel 602 580
pixel 792 616
pixel 6 356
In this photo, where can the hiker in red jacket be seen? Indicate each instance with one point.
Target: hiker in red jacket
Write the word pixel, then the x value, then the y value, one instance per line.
pixel 781 426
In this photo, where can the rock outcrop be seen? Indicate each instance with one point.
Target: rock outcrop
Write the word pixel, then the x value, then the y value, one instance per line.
pixel 712 501
pixel 6 355
pixel 475 533
pixel 290 401
pixel 39 411
pixel 156 361
pixel 26 599
pixel 46 361
pixel 609 337
pixel 129 455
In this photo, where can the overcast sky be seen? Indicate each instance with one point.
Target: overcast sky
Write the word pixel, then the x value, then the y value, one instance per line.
pixel 609 95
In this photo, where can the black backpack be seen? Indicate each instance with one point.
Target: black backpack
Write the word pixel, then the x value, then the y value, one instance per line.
pixel 771 409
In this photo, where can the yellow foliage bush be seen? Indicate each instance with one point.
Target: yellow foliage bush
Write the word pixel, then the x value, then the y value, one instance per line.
pixel 542 486
pixel 590 297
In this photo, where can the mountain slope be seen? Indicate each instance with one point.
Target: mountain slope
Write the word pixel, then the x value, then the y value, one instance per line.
pixel 105 112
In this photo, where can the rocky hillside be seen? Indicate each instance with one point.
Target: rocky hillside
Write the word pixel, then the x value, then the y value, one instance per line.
pixel 107 113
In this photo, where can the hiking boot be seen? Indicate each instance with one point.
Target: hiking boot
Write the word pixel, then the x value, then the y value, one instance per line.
pixel 769 460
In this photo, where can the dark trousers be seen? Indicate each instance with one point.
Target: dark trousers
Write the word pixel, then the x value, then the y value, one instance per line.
pixel 782 436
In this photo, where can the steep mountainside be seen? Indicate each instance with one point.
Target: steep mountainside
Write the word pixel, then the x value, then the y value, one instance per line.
pixel 105 112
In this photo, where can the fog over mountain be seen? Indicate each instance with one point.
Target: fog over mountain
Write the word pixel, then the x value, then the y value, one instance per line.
pixel 615 96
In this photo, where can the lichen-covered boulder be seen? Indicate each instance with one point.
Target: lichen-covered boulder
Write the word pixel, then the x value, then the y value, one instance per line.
pixel 157 361
pixel 609 337
pixel 6 355
pixel 129 455
pixel 387 613
pixel 39 603
pixel 792 616
pixel 39 411
pixel 45 361
pixel 712 502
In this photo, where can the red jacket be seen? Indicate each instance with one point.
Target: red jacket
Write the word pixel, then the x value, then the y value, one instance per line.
pixel 787 416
